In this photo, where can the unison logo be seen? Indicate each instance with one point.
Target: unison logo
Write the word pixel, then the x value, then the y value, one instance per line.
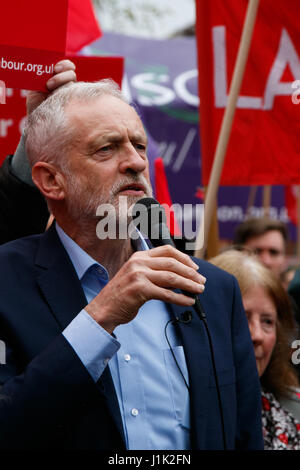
pixel 117 222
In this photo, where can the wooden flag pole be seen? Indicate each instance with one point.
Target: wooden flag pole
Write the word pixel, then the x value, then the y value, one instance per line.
pixel 239 69
pixel 267 189
pixel 213 245
pixel 251 199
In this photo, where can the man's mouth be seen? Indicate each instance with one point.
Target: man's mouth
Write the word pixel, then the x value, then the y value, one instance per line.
pixel 135 189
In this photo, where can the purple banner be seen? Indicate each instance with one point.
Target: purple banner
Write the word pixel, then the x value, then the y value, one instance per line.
pixel 161 78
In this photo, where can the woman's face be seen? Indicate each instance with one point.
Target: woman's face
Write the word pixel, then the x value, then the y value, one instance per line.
pixel 262 317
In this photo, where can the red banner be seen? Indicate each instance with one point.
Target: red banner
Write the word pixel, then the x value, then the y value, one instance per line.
pixel 264 146
pixel 31 25
pixel 82 27
pixel 32 42
pixel 291 194
pixel 12 114
pixel 163 196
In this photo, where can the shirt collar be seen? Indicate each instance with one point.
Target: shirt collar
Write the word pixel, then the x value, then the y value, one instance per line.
pixel 82 261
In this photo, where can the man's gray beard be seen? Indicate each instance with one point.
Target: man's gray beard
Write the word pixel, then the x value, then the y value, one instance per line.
pixel 83 209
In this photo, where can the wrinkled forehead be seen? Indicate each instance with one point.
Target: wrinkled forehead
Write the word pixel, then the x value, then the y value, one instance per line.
pixel 106 110
pixel 97 120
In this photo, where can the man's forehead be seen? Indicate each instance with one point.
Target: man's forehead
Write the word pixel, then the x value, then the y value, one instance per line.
pixel 271 237
pixel 99 105
pixel 104 118
pixel 106 111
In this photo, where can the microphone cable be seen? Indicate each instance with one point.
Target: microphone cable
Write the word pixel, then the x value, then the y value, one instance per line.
pixel 197 306
pixel 154 217
pixel 203 318
pixel 202 315
pixel 171 349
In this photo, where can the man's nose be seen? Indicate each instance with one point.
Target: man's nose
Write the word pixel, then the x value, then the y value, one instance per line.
pixel 132 160
pixel 265 259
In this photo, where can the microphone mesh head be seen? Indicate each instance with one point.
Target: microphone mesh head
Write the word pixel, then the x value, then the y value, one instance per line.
pixel 149 216
pixel 147 202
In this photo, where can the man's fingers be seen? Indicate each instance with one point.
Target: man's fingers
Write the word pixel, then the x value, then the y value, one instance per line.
pixel 169 258
pixel 175 266
pixel 64 65
pixel 171 280
pixel 171 297
pixel 172 252
pixel 61 79
pixel 64 72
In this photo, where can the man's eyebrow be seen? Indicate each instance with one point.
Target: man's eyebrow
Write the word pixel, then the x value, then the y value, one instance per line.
pixel 114 137
pixel 138 136
pixel 99 139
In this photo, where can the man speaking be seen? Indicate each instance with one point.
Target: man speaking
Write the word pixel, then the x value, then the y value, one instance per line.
pixel 104 349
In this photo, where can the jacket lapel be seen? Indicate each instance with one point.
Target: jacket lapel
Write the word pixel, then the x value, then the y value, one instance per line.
pixel 106 386
pixel 58 280
pixel 64 295
pixel 198 360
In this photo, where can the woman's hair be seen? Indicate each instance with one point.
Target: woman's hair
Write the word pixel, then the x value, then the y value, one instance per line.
pixel 249 272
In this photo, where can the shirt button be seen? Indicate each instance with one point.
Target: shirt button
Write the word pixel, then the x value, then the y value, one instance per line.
pixel 134 412
pixel 127 357
pixel 105 362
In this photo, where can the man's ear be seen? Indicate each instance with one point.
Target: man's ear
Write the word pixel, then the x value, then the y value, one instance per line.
pixel 49 181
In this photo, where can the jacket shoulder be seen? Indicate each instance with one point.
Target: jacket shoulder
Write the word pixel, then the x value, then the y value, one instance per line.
pixel 209 269
pixel 16 254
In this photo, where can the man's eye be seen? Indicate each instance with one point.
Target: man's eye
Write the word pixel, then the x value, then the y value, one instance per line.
pixel 274 252
pixel 140 146
pixel 105 148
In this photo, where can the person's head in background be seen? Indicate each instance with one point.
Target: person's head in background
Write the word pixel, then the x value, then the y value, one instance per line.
pixel 269 315
pixel 267 239
pixel 288 275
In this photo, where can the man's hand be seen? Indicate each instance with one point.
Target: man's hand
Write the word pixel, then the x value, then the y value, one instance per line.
pixel 64 73
pixel 146 275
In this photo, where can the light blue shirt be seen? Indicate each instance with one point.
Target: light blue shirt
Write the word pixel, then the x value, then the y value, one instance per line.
pixel 152 396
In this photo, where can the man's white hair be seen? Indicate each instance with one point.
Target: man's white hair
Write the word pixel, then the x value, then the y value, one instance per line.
pixel 48 132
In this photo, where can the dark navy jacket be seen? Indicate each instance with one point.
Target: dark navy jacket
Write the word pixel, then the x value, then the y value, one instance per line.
pixel 49 400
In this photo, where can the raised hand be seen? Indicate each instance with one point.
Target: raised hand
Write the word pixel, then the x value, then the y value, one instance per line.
pixel 151 274
pixel 64 72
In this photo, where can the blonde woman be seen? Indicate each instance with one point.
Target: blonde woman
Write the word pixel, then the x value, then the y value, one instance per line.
pixel 271 325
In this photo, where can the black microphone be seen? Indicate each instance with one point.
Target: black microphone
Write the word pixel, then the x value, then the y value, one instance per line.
pixel 150 218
